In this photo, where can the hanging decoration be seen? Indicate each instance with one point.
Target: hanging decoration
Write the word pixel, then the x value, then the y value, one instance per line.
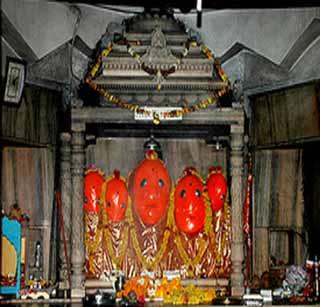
pixel 115 193
pixel 93 182
pixel 147 264
pixel 192 262
pixel 221 241
pixel 119 102
pixel 246 220
pixel 192 215
pixel 93 240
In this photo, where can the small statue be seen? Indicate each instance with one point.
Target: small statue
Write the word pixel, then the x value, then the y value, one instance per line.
pixel 15 212
pixel 37 256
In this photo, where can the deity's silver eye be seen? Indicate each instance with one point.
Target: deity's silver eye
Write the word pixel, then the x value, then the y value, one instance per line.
pixel 161 183
pixel 197 193
pixel 183 193
pixel 143 183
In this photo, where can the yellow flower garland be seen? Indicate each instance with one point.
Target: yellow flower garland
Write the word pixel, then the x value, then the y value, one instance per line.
pixel 226 227
pixel 116 260
pixel 192 262
pixel 113 99
pixel 92 246
pixel 208 231
pixel 151 265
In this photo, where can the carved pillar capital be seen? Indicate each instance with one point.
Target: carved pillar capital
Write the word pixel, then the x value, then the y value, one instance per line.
pixel 237 245
pixel 77 171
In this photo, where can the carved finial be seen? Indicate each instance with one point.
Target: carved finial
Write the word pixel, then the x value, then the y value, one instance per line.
pixel 158 40
pixel 158 53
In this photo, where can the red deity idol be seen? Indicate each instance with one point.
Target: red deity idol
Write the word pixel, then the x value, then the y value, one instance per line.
pixel 116 197
pixel 93 181
pixel 217 188
pixel 151 189
pixel 189 203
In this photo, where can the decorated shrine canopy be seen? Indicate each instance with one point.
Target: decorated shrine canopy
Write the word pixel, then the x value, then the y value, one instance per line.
pixel 151 71
pixel 155 61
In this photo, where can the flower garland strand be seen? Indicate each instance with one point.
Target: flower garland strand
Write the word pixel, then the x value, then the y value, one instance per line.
pixel 192 262
pixel 221 240
pixel 151 265
pixel 92 245
pixel 116 260
pixel 113 99
pixel 208 232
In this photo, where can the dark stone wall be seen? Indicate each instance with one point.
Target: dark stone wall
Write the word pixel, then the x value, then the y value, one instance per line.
pixel 311 170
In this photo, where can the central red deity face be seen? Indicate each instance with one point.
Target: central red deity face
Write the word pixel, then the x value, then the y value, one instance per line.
pixel 151 189
pixel 116 197
pixel 93 181
pixel 189 203
pixel 217 188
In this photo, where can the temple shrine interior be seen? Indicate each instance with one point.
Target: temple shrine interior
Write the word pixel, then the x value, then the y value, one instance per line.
pixel 160 154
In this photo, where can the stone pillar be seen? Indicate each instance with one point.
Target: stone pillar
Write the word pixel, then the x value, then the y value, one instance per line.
pixel 77 222
pixel 66 192
pixel 237 243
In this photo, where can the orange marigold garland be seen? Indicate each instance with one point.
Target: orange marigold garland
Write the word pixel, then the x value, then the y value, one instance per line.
pixel 91 244
pixel 115 100
pixel 93 234
pixel 151 265
pixel 208 232
pixel 221 234
pixel 116 258
pixel 170 291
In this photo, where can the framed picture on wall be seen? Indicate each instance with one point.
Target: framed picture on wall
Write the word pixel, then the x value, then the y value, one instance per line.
pixel 15 77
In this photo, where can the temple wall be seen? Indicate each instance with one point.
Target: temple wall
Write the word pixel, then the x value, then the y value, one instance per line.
pixel 256 46
pixel 29 139
pixel 278 209
pixel 125 154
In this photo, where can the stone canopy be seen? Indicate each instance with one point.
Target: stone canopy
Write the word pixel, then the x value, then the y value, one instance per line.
pixel 155 60
pixel 152 61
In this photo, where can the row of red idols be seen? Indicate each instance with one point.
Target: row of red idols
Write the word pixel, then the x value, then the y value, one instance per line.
pixel 149 187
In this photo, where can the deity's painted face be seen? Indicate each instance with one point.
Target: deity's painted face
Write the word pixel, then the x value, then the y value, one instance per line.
pixel 151 189
pixel 93 181
pixel 116 197
pixel 217 188
pixel 189 208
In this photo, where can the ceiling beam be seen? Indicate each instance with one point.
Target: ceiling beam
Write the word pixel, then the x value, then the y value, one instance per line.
pixel 186 5
pixel 209 116
pixel 82 46
pixel 311 33
pixel 15 40
pixel 234 50
pixel 162 131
